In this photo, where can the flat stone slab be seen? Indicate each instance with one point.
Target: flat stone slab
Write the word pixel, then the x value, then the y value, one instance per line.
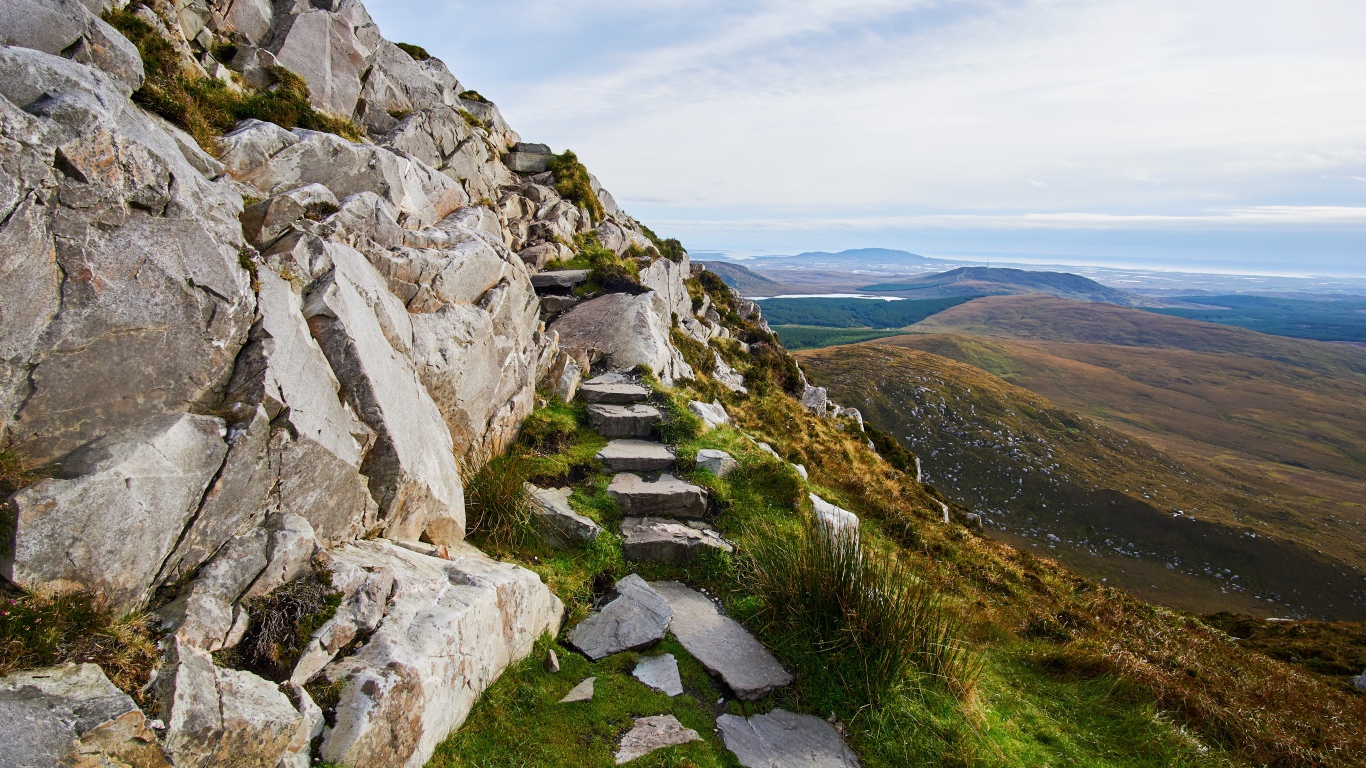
pixel 638 617
pixel 560 278
pixel 558 523
pixel 724 647
pixel 636 456
pixel 661 540
pixel 623 420
pixel 614 394
pixel 835 518
pixel 581 692
pixel 659 672
pixel 666 497
pixel 651 733
pixel 782 738
pixel 717 462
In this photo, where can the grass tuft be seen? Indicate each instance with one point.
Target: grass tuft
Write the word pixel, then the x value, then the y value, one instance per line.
pixel 863 610
pixel 497 504
pixel 418 53
pixel 573 184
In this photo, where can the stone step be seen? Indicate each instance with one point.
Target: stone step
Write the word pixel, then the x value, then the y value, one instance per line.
pixel 724 647
pixel 563 278
pixel 787 739
pixel 636 456
pixel 624 420
pixel 637 617
pixel 613 394
pixel 661 540
pixel 666 497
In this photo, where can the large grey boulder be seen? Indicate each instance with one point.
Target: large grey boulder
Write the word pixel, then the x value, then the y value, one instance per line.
pixel 559 524
pixel 529 158
pixel 411 467
pixel 836 519
pixel 666 497
pixel 637 617
pixel 449 630
pixel 662 540
pixel 712 414
pixel 217 716
pixel 73 716
pixel 116 510
pixel 624 331
pixel 68 28
pixel 782 739
pixel 648 734
pixel 121 285
pixel 724 647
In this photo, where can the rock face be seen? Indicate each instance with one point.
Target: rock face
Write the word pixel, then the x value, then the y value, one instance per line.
pixel 449 629
pixel 242 364
pixel 719 642
pixel 782 738
pixel 636 618
pixel 72 715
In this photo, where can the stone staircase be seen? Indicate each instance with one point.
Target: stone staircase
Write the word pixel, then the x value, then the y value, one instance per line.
pixel 665 517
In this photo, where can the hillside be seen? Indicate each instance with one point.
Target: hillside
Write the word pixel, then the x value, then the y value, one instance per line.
pixel 984 281
pixel 747 282
pixel 1102 501
pixel 830 312
pixel 1342 319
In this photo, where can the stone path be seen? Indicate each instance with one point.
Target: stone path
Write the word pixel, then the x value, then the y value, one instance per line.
pixel 782 739
pixel 636 456
pixel 666 496
pixel 624 420
pixel 724 647
pixel 661 540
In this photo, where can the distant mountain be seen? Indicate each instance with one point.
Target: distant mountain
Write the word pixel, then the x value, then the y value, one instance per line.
pixel 878 255
pixel 998 281
pixel 747 282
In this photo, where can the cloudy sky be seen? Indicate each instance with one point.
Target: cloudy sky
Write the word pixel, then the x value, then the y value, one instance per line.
pixel 1228 134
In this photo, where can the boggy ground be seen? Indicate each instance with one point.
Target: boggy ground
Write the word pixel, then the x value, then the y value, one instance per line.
pixel 1071 672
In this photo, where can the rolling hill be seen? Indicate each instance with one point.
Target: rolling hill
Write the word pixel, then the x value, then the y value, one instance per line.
pixel 985 281
pixel 747 282
pixel 1095 496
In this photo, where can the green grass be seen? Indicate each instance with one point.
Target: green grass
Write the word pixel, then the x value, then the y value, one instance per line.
pixel 417 52
pixel 519 721
pixel 573 184
pixel 796 337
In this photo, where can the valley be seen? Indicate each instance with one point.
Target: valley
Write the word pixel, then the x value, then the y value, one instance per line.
pixel 1163 454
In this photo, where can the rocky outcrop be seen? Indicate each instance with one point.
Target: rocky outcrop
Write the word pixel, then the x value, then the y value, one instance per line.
pixel 621 332
pixel 72 715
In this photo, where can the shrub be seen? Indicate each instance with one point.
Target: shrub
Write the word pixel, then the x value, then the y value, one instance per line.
pixel 770 366
pixel 418 53
pixel 282 623
pixel 862 610
pixel 497 505
pixel 670 249
pixel 41 631
pixel 612 272
pixel 473 96
pixel 206 107
pixel 573 184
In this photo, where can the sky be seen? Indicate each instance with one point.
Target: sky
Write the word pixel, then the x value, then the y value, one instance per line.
pixel 1221 134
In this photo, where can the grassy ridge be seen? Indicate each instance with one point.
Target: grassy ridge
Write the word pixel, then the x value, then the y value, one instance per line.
pixel 854 313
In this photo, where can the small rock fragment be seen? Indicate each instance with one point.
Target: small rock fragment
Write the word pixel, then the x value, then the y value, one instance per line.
pixel 659 672
pixel 552 662
pixel 651 733
pixel 581 692
pixel 717 462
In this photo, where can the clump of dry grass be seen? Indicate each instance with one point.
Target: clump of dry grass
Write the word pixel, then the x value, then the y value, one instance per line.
pixel 45 630
pixel 282 623
pixel 497 505
pixel 860 608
